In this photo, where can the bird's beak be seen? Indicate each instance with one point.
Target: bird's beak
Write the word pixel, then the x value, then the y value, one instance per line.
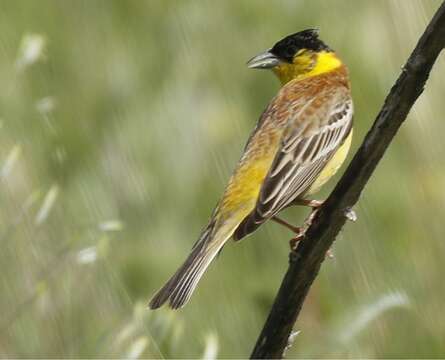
pixel 265 60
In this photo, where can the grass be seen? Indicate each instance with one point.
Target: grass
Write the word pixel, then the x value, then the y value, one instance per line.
pixel 120 123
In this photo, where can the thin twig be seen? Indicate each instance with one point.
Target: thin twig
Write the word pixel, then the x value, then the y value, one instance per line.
pixel 305 262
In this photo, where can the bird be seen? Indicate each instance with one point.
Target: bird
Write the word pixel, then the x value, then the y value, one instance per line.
pixel 300 141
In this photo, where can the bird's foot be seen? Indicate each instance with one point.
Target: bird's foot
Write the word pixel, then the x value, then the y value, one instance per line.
pixel 314 204
pixel 293 243
pixel 300 231
pixel 310 218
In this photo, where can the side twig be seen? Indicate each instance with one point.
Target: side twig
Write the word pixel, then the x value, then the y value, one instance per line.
pixel 305 262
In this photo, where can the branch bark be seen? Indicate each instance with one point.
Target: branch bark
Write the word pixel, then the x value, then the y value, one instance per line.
pixel 305 262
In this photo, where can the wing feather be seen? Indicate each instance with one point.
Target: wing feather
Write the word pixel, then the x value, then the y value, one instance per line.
pixel 311 138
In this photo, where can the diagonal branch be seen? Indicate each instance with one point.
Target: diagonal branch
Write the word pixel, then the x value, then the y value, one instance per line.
pixel 305 262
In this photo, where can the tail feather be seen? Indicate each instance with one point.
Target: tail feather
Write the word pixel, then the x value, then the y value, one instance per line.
pixel 181 285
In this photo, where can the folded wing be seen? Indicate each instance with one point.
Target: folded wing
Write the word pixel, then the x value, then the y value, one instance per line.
pixel 314 132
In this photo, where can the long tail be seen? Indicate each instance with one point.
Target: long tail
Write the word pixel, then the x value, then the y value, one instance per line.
pixel 181 285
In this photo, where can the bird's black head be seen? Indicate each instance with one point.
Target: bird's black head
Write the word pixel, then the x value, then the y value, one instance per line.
pixel 297 56
pixel 288 47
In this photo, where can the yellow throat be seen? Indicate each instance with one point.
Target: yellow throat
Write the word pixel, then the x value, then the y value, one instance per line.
pixel 307 64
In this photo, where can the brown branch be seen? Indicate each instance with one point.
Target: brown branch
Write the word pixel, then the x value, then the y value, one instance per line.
pixel 305 262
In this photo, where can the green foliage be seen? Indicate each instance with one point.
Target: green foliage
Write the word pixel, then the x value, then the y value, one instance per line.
pixel 120 122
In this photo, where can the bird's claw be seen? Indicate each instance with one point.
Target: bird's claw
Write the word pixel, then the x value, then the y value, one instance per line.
pixel 293 243
pixel 315 204
pixel 310 218
pixel 302 230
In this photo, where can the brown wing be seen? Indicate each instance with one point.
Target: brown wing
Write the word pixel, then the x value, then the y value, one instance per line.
pixel 313 134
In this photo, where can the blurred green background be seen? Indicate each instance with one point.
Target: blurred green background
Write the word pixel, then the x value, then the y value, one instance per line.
pixel 120 123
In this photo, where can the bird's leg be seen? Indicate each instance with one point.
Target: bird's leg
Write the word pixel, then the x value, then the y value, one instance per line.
pixel 298 230
pixel 293 228
pixel 311 217
pixel 314 204
pixel 293 243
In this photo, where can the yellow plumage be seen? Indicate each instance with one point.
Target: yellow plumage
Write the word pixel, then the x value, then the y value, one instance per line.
pixel 301 67
pixel 300 142
pixel 244 186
